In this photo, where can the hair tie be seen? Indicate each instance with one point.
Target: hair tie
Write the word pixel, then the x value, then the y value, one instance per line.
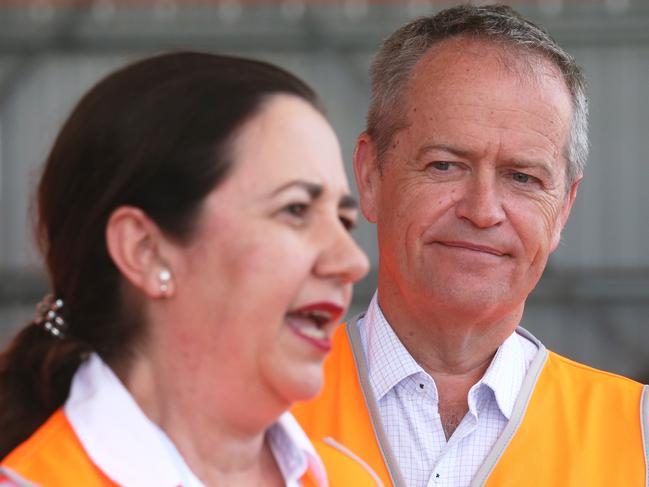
pixel 49 316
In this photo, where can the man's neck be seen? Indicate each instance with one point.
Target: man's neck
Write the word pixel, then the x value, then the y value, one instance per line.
pixel 454 349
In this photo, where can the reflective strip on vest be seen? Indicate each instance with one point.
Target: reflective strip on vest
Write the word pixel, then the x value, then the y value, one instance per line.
pixel 644 418
pixel 9 478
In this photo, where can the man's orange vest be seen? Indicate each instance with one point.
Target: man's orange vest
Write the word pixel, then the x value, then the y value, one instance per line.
pixel 571 426
pixel 54 457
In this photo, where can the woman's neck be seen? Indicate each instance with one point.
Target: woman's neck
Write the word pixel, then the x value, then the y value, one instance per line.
pixel 221 437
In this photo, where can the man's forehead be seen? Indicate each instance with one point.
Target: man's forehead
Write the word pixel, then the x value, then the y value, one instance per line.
pixel 461 72
pixel 468 57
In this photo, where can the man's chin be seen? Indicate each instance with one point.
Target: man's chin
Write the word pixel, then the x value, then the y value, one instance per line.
pixel 465 299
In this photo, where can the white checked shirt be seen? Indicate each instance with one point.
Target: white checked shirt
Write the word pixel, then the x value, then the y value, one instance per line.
pixel 408 405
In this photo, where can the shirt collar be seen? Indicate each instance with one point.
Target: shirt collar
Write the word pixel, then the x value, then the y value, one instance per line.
pixel 117 436
pixel 294 452
pixel 130 449
pixel 505 375
pixel 389 363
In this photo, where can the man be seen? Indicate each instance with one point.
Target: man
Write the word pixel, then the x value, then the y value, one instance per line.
pixel 475 146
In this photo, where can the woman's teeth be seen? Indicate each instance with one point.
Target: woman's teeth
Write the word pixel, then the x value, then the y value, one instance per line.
pixel 310 323
pixel 320 317
pixel 313 332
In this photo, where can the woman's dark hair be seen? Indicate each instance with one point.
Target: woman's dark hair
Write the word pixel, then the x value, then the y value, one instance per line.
pixel 154 135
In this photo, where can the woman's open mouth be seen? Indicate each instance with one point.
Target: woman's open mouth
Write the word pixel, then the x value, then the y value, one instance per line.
pixel 315 323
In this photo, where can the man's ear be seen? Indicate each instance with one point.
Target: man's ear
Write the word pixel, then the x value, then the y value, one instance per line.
pixel 569 200
pixel 135 244
pixel 368 176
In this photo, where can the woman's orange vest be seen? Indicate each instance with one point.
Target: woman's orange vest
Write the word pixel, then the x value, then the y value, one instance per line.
pixel 54 457
pixel 572 425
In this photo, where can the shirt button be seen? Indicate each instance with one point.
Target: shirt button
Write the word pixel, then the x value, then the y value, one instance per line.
pixel 421 386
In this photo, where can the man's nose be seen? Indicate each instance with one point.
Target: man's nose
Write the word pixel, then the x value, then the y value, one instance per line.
pixel 481 202
pixel 341 257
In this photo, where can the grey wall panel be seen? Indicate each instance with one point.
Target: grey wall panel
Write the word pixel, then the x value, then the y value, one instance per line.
pixel 35 104
pixel 609 227
pixel 593 303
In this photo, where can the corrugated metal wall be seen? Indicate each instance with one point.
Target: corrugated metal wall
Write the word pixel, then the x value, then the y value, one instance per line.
pixel 610 227
pixel 593 302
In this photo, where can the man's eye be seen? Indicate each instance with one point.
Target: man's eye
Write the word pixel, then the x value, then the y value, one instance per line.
pixel 520 177
pixel 441 165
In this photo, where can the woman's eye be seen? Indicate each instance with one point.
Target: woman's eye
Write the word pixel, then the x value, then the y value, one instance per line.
pixel 348 223
pixel 297 209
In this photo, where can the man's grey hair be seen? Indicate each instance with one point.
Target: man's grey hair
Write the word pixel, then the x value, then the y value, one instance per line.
pixel 393 65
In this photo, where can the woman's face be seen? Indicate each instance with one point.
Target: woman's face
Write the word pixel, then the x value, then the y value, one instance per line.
pixel 260 288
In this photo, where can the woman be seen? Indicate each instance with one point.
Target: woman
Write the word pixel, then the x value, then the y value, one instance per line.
pixel 194 217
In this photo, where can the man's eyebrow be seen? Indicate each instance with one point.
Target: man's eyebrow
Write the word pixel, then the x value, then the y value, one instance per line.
pixel 314 189
pixel 348 202
pixel 456 151
pixel 459 152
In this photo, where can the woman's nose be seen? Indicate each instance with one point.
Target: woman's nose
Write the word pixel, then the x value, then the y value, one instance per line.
pixel 342 257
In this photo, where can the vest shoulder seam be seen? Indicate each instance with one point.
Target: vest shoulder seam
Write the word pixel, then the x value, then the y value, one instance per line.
pixel 591 370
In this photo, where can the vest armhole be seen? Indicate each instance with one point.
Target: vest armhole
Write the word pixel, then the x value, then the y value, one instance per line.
pixel 14 478
pixel 644 423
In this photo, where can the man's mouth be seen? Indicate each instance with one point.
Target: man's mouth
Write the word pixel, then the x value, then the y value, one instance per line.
pixel 315 323
pixel 473 246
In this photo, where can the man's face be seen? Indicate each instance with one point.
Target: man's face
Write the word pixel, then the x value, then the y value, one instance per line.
pixel 472 195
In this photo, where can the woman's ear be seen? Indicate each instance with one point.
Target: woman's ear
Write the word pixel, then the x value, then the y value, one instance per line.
pixel 135 243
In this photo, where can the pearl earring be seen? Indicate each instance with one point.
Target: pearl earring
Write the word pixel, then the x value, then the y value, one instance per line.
pixel 165 279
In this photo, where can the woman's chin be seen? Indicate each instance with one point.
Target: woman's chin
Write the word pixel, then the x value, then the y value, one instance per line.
pixel 302 386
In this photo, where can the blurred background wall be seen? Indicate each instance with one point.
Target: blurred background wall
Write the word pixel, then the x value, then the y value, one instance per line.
pixel 593 301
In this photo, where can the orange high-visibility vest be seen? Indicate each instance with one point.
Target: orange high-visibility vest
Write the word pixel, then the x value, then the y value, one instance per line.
pixel 571 426
pixel 54 457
